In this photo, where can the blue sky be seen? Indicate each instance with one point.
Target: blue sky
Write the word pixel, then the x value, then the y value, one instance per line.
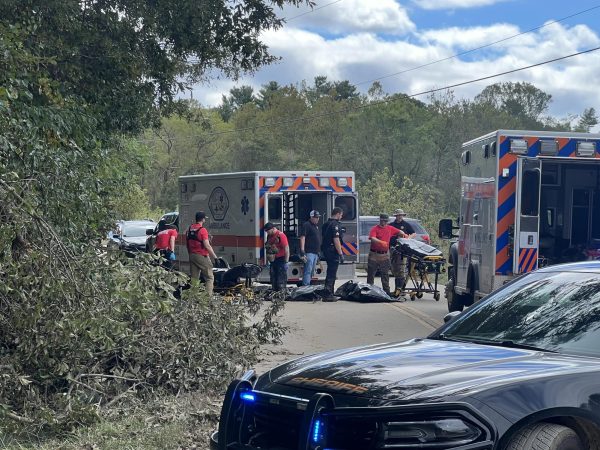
pixel 362 40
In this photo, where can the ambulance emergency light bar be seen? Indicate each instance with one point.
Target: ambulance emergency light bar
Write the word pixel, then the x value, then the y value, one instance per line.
pixel 548 148
pixel 586 149
pixel 289 182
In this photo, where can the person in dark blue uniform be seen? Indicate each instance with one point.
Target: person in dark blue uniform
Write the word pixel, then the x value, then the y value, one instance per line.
pixel 333 238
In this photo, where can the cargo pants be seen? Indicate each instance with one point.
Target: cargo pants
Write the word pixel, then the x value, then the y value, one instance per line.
pixel 379 262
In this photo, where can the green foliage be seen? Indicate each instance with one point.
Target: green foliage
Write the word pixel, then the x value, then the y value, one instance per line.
pixel 128 60
pixel 520 100
pixel 80 328
pixel 327 126
pixel 95 333
pixel 384 193
pixel 588 119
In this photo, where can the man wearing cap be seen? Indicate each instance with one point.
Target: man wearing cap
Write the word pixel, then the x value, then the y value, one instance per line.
pixel 399 263
pixel 278 254
pixel 379 256
pixel 310 244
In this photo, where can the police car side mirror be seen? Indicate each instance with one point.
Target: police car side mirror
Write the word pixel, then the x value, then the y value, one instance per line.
pixel 450 316
pixel 149 232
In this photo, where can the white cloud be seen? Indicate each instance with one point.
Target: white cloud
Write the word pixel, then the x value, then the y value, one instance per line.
pixel 470 38
pixel 348 16
pixel 455 4
pixel 365 56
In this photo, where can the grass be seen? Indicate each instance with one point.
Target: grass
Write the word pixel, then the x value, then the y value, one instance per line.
pixel 181 423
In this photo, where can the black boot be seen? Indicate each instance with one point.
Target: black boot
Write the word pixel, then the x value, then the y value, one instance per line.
pixel 330 297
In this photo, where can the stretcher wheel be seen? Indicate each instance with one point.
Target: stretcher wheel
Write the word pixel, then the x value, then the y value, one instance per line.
pixel 436 296
pixel 412 297
pixel 419 295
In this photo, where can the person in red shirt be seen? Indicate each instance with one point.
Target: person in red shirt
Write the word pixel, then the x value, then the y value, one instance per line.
pixel 165 243
pixel 278 254
pixel 379 256
pixel 201 252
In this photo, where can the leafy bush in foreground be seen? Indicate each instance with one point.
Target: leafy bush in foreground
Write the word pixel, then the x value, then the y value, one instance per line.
pixel 87 338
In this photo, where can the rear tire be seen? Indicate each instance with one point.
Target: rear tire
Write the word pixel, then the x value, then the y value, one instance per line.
pixel 546 436
pixel 453 299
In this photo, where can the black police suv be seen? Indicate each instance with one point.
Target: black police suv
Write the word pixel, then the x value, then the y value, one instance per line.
pixel 519 370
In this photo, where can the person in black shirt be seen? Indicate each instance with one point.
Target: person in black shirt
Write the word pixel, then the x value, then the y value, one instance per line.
pixel 399 265
pixel 333 237
pixel 310 244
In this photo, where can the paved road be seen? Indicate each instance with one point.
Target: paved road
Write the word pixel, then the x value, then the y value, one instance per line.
pixel 317 327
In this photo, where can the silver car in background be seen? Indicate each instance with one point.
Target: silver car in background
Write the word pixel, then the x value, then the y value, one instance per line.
pixel 365 223
pixel 130 235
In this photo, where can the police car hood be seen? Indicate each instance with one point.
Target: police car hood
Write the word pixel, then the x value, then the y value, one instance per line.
pixel 420 369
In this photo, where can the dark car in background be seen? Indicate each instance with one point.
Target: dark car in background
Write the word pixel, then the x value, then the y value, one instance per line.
pixel 365 223
pixel 170 218
pixel 519 370
pixel 130 235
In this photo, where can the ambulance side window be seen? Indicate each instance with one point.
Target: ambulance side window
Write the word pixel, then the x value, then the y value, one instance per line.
pixel 348 205
pixel 274 209
pixel 530 193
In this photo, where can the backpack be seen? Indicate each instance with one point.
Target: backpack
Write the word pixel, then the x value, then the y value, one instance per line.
pixel 193 235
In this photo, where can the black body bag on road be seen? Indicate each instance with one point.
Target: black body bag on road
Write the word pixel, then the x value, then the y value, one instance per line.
pixel 312 292
pixel 362 292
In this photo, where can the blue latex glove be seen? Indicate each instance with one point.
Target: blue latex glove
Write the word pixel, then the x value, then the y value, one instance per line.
pixel 172 256
pixel 286 266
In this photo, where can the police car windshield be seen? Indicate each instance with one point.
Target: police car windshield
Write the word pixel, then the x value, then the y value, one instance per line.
pixel 552 311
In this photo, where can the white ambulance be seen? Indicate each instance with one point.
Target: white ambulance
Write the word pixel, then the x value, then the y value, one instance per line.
pixel 528 199
pixel 237 206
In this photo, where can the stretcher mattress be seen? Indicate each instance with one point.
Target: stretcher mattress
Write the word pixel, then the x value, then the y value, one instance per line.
pixel 418 249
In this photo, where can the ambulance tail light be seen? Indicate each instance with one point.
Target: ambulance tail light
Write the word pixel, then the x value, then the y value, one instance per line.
pixel 270 181
pixel 342 182
pixel 518 146
pixel 425 237
pixel 586 149
pixel 288 182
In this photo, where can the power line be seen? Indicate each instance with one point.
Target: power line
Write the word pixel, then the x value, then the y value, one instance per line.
pixel 479 48
pixel 384 101
pixel 312 10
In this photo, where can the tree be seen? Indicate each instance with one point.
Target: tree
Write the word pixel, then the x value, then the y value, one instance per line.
pixel 588 119
pixel 266 93
pixel 344 90
pixel 75 77
pixel 238 97
pixel 521 100
pixel 129 59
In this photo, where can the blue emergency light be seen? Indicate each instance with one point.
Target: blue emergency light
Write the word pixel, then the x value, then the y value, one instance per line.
pixel 249 397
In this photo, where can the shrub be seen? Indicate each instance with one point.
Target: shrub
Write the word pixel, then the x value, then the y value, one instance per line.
pixel 110 328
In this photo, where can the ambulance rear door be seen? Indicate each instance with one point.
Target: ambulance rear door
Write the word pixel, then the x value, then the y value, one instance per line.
pixel 348 201
pixel 527 223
